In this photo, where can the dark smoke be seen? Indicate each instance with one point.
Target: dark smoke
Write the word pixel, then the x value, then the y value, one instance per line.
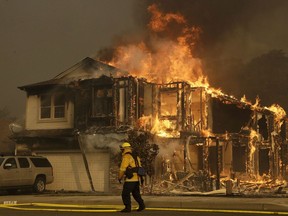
pixel 243 44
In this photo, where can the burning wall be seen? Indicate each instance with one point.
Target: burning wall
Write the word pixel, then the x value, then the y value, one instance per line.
pixel 197 129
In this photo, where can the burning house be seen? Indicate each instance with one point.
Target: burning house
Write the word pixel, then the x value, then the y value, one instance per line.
pixel 205 137
pixel 78 118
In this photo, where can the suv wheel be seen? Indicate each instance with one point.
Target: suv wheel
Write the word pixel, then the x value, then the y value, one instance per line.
pixel 39 185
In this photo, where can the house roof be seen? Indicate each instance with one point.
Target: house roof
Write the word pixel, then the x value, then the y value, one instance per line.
pixel 88 68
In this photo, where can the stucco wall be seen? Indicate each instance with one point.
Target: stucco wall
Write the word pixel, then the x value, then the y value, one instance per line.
pixel 70 173
pixel 33 121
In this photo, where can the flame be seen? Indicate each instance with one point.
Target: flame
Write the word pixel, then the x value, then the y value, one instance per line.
pixel 252 146
pixel 206 133
pixel 145 122
pixel 279 115
pixel 278 110
pixel 253 138
pixel 164 128
pixel 159 21
pixel 257 103
pixel 244 99
pixel 167 56
pixel 160 59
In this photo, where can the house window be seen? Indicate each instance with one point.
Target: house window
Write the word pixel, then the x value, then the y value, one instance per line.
pixel 168 103
pixel 59 106
pixel 52 106
pixel 45 106
pixel 103 102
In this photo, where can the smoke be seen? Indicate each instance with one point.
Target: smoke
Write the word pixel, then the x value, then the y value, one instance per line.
pixel 168 147
pixel 240 22
pixel 232 33
pixel 92 142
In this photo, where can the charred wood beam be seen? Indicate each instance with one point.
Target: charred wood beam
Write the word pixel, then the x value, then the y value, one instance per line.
pixel 178 108
pixel 217 165
pixel 183 108
pixel 180 182
pixel 206 155
pixel 201 110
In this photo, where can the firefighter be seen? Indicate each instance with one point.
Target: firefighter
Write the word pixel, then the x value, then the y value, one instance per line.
pixel 131 180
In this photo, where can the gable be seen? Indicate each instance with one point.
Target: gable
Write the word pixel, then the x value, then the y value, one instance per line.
pixel 88 68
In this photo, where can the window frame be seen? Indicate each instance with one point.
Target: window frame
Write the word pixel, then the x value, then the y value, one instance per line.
pixel 52 107
pixel 166 104
pixel 106 101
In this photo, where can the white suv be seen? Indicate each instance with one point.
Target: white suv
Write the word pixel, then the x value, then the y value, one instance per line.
pixel 17 172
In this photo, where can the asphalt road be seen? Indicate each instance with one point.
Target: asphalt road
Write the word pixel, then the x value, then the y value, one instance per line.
pixel 93 204
pixel 88 212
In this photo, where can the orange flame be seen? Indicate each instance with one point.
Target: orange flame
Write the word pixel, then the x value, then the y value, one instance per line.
pixel 164 128
pixel 279 115
pixel 253 138
pixel 159 21
pixel 164 60
pixel 161 59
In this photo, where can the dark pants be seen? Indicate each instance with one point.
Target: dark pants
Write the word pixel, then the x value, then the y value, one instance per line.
pixel 128 188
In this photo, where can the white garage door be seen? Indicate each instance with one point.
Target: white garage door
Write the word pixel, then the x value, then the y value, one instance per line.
pixel 70 173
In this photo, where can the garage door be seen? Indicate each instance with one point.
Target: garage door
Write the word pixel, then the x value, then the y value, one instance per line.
pixel 70 173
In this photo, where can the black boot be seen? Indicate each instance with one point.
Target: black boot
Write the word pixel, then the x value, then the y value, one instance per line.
pixel 141 207
pixel 126 209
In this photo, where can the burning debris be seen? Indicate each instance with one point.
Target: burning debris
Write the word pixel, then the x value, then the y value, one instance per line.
pixel 202 183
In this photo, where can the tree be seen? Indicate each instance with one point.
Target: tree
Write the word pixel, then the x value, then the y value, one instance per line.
pixel 5 114
pixel 145 150
pixel 266 77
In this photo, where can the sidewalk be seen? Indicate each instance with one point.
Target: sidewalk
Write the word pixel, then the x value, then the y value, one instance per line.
pixel 179 202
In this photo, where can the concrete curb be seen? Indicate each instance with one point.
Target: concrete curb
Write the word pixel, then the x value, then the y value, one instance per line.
pixel 179 202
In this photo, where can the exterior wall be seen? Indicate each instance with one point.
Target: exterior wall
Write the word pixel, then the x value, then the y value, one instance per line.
pixel 33 121
pixel 70 173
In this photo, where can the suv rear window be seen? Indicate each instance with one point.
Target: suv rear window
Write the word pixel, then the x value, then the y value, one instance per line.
pixel 40 162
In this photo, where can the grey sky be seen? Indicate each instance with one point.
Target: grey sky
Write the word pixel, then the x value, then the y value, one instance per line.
pixel 41 38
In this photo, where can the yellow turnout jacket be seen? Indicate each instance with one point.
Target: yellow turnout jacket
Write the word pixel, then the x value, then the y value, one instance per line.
pixel 128 160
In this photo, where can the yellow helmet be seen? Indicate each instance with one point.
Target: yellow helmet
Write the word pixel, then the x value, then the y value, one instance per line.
pixel 126 145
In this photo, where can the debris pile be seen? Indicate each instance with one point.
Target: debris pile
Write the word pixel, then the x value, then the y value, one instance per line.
pixel 200 183
pixel 268 187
